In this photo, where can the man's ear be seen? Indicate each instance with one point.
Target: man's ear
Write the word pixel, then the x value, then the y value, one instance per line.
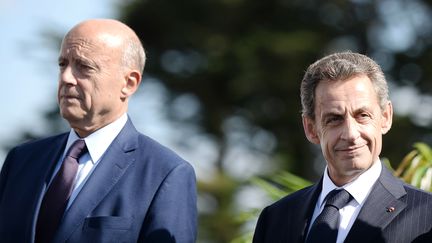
pixel 387 118
pixel 310 129
pixel 131 84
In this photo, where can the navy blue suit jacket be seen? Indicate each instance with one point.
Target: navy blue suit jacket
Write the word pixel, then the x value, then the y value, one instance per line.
pixel 288 219
pixel 139 192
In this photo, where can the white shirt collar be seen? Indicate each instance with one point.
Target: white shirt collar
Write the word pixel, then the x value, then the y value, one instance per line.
pixel 98 142
pixel 358 188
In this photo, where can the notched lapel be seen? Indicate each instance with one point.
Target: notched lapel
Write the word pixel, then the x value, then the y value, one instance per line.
pixel 304 214
pixel 380 209
pixel 48 160
pixel 114 163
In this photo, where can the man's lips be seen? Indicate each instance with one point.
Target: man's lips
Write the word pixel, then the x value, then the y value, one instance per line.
pixel 70 97
pixel 351 148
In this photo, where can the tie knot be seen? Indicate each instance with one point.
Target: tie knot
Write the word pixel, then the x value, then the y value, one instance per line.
pixel 338 198
pixel 77 149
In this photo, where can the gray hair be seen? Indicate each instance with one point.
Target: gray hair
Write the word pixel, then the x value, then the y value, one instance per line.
pixel 134 54
pixel 341 66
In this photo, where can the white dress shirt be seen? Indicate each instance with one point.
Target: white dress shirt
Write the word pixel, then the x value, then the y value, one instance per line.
pixel 97 143
pixel 359 190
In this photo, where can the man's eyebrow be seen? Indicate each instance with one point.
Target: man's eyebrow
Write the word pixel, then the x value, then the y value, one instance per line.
pixel 82 60
pixel 362 108
pixel 333 113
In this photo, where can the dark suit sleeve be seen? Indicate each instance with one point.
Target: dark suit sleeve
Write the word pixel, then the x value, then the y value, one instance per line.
pixel 259 235
pixel 172 216
pixel 4 173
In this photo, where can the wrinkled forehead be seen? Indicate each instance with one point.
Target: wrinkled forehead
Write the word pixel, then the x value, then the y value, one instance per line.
pixel 108 37
pixel 77 44
pixel 356 92
pixel 78 49
pixel 74 45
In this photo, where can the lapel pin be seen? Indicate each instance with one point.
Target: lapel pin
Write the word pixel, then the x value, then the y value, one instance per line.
pixel 390 209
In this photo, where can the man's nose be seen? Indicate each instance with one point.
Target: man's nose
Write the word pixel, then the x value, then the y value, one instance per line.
pixel 350 130
pixel 66 75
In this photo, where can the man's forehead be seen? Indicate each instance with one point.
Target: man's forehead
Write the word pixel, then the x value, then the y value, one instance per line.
pixel 100 37
pixel 331 106
pixel 83 47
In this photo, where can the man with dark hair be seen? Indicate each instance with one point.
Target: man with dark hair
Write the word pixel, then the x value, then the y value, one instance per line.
pixel 346 110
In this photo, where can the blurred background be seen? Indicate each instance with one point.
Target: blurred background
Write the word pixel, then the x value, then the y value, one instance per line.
pixel 221 84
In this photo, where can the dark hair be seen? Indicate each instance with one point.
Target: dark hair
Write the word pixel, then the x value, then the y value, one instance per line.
pixel 341 66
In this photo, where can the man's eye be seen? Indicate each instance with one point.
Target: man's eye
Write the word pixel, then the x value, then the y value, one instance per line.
pixel 363 116
pixel 333 119
pixel 84 66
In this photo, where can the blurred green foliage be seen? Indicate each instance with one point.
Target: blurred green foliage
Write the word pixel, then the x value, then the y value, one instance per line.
pixel 281 184
pixel 416 167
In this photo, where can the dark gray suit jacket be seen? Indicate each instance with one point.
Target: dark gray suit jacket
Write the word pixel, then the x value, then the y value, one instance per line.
pixel 288 219
pixel 139 192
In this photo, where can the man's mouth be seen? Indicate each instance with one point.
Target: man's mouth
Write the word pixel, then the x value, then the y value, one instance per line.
pixel 351 149
pixel 68 97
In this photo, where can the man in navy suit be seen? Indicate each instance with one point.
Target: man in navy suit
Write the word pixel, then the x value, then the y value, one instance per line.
pixel 346 110
pixel 128 188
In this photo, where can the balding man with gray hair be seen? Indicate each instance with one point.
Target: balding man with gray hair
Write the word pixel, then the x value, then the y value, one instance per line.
pixel 102 181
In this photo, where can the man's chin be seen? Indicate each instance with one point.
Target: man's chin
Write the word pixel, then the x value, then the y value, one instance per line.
pixel 346 176
pixel 352 167
pixel 71 117
pixel 355 170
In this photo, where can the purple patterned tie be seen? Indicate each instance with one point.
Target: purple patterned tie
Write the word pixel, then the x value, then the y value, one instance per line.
pixel 326 225
pixel 56 198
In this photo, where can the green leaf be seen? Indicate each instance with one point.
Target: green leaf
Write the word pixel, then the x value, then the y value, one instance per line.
pixel 244 238
pixel 426 181
pixel 405 163
pixel 245 216
pixel 411 168
pixel 425 151
pixel 274 192
pixel 418 175
pixel 291 181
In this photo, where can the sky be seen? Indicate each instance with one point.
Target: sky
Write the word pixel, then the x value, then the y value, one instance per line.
pixel 28 64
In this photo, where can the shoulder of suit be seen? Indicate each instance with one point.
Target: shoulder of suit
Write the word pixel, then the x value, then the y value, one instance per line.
pixel 294 198
pixel 41 142
pixel 410 189
pixel 152 149
pixel 392 182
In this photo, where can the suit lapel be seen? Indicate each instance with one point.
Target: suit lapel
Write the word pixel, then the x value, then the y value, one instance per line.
pixel 381 207
pixel 303 215
pixel 46 162
pixel 110 169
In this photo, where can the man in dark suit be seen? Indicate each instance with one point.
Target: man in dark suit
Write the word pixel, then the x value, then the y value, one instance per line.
pixel 125 187
pixel 346 110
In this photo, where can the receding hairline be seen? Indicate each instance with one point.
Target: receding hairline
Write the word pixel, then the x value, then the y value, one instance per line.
pixel 98 28
pixel 107 25
pixel 112 33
